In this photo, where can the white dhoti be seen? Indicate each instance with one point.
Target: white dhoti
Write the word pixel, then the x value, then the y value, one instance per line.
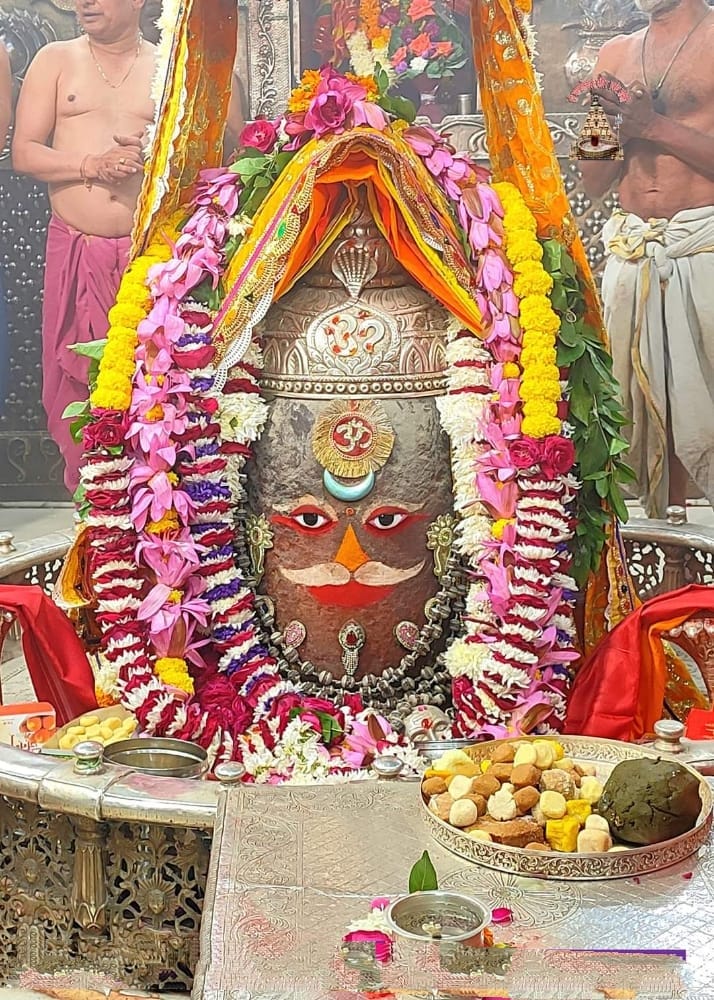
pixel 658 295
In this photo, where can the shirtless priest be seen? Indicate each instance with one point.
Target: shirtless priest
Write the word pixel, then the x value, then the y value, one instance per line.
pixel 658 286
pixel 80 124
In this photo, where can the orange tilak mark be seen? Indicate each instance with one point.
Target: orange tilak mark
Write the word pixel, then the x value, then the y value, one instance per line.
pixel 350 554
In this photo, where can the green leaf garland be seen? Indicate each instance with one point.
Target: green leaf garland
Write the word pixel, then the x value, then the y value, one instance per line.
pixel 595 413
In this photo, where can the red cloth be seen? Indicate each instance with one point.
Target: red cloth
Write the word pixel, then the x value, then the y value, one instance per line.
pixel 55 657
pixel 82 275
pixel 619 692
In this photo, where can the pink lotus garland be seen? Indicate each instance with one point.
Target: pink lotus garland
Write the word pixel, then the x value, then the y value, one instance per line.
pixel 180 464
pixel 513 493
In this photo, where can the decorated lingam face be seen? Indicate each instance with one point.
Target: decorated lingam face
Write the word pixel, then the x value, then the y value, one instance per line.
pixel 350 492
pixel 350 569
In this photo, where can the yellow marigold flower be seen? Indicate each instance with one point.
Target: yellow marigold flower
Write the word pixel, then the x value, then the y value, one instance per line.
pixel 169 522
pixel 540 426
pixel 540 390
pixel 538 352
pixel 522 247
pixel 111 399
pixel 173 672
pixel 126 314
pixel 499 526
pixel 511 370
pixel 539 283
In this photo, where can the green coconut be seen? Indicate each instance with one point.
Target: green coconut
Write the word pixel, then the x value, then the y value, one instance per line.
pixel 647 801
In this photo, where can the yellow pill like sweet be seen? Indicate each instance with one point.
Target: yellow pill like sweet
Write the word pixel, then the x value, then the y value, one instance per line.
pixel 65 742
pixel 545 754
pixel 129 725
pixel 89 720
pixel 106 732
pixel 93 731
pixel 75 731
pixel 553 805
pixel 113 722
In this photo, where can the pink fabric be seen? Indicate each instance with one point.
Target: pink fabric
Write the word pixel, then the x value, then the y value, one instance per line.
pixel 82 275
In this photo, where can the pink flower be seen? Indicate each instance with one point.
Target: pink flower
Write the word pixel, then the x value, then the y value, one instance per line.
pixel 492 270
pixel 525 452
pixel 380 903
pixel 334 99
pixel 558 456
pixel 369 113
pixel 382 943
pixel 218 186
pixel 260 135
pixel 499 497
pixel 164 613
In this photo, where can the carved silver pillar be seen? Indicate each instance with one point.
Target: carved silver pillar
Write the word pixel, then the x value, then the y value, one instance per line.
pixel 89 888
pixel 273 33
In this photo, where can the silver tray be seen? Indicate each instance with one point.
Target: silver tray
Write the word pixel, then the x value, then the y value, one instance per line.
pixel 540 864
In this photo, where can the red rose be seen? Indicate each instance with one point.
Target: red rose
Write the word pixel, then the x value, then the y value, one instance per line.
pixel 260 135
pixel 109 431
pixel 525 452
pixel 558 455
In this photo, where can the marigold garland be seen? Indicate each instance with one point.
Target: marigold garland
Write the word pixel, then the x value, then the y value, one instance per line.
pixel 540 384
pixel 173 671
pixel 116 369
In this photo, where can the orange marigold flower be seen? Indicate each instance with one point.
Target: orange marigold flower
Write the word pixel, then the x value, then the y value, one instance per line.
pixel 301 96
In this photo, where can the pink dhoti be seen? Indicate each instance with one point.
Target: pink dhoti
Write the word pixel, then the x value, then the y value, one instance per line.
pixel 82 275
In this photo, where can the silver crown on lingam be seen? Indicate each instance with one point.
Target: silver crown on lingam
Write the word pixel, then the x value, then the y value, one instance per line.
pixel 355 325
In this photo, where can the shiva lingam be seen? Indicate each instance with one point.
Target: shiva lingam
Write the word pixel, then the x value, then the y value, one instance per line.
pixel 597 139
pixel 350 520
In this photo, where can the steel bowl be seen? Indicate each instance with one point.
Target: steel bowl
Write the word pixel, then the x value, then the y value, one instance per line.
pixel 162 757
pixel 438 915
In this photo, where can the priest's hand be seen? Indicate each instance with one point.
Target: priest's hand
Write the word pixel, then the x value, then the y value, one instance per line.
pixel 634 107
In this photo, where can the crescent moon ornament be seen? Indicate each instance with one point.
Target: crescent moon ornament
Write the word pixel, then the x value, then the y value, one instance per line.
pixel 348 493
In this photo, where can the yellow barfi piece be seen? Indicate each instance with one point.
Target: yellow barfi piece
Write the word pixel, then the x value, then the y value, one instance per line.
pixel 578 808
pixel 562 834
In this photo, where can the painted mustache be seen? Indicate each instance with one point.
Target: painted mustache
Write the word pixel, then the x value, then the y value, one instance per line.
pixel 370 574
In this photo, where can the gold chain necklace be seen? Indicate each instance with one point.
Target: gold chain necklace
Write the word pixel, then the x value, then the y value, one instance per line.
pixel 116 86
pixel 657 89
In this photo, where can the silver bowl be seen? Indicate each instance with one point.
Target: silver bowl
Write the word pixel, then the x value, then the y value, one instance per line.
pixel 437 915
pixel 160 756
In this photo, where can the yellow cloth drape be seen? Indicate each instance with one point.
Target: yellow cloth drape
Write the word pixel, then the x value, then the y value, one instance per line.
pixel 192 113
pixel 519 141
pixel 310 204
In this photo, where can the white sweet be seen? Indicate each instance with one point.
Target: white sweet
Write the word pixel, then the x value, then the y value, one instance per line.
pixel 553 805
pixel 594 822
pixel 459 786
pixel 545 754
pixel 463 813
pixel 590 790
pixel 525 754
pixel 593 842
pixel 502 805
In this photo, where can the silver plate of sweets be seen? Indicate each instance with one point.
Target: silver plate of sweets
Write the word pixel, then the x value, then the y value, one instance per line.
pixel 568 807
